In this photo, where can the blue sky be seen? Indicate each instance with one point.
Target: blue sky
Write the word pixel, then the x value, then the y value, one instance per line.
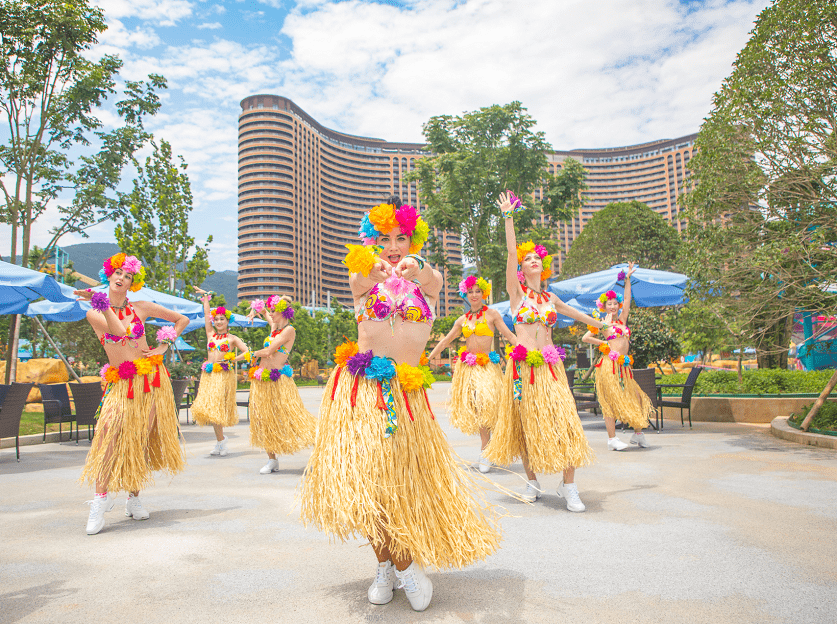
pixel 593 74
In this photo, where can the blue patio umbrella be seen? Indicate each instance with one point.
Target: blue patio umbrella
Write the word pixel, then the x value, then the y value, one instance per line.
pixel 649 287
pixel 19 286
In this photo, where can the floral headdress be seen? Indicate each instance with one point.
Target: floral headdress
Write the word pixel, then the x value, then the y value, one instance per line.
pixel 275 302
pixel 610 294
pixel 386 217
pixel 222 311
pixel 524 249
pixel 469 282
pixel 129 264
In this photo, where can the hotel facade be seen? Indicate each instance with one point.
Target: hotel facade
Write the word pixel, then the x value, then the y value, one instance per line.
pixel 303 189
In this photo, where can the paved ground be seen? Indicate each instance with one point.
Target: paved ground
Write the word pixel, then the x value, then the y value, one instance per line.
pixel 723 523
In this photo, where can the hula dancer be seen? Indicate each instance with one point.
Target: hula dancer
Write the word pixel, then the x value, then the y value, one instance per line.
pixel 538 421
pixel 381 466
pixel 215 403
pixel 619 395
pixel 137 430
pixel 477 376
pixel 279 422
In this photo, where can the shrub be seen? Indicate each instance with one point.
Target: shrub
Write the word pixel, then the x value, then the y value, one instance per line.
pixel 826 418
pixel 759 381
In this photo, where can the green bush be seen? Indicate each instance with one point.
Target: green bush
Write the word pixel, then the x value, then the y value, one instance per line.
pixel 826 418
pixel 759 381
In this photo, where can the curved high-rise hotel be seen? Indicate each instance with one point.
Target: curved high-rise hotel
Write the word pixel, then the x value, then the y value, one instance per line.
pixel 303 188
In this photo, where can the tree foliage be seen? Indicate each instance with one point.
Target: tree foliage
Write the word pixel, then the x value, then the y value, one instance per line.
pixel 651 339
pixel 49 92
pixel 155 227
pixel 623 232
pixel 763 209
pixel 476 157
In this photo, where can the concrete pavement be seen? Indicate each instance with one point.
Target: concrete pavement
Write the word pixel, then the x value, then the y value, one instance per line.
pixel 723 523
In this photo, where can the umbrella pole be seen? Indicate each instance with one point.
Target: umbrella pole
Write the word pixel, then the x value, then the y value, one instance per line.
pixel 11 356
pixel 57 350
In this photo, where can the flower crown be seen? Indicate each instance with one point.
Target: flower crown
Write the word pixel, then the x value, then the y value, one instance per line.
pixel 469 282
pixel 610 294
pixel 524 249
pixel 384 218
pixel 129 264
pixel 276 303
pixel 220 310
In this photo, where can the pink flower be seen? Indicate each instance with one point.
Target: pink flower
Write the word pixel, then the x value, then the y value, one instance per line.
pixel 127 370
pixel 368 241
pixel 463 356
pixel 550 354
pixel 610 294
pixel 407 218
pixel 257 305
pixel 470 282
pixel 613 355
pixel 108 268
pixel 518 354
pixel 166 333
pixel 272 301
pixel 132 265
pixel 470 359
pixel 520 277
pixel 398 286
pixel 104 371
pixel 463 287
pixel 541 251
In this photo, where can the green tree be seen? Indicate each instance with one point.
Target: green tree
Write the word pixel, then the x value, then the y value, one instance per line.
pixel 476 157
pixel 623 232
pixel 651 339
pixel 155 228
pixel 763 209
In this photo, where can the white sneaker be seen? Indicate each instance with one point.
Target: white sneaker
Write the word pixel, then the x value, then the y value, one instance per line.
pixel 222 447
pixel 270 466
pixel 134 508
pixel 484 465
pixel 532 493
pixel 380 591
pixel 570 494
pixel 615 444
pixel 217 449
pixel 639 439
pixel 416 585
pixel 98 507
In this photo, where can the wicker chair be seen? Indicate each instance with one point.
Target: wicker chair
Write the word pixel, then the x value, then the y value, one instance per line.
pixel 87 397
pixel 57 407
pixel 10 412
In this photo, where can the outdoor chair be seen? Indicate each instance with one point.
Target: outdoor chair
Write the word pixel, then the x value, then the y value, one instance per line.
pixel 684 401
pixel 582 360
pixel 646 379
pixel 189 398
pixel 11 411
pixel 87 397
pixel 583 393
pixel 57 407
pixel 4 388
pixel 179 387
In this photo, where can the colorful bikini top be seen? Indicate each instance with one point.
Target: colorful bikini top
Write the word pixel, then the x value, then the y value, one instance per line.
pixel 134 331
pixel 481 328
pixel 619 332
pixel 382 305
pixel 219 342
pixel 273 335
pixel 529 314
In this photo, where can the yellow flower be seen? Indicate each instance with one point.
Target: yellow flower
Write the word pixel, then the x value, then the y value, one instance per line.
pixel 143 366
pixel 383 218
pixel 116 260
pixel 604 348
pixel 344 352
pixel 523 249
pixel 360 259
pixel 411 377
pixel 112 374
pixel 423 361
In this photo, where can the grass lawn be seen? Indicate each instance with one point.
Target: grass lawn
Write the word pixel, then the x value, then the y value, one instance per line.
pixel 33 422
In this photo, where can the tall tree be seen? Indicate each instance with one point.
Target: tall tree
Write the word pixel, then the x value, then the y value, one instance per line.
pixel 623 232
pixel 763 209
pixel 475 158
pixel 155 228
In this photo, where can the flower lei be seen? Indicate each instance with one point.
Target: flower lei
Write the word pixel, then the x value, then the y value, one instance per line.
pixel 133 368
pixel 129 264
pixel 469 282
pixel 549 355
pixel 384 218
pixel 524 249
pixel 270 374
pixel 222 311
pixel 477 359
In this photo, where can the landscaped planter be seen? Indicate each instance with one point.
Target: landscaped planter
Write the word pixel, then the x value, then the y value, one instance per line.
pixel 742 408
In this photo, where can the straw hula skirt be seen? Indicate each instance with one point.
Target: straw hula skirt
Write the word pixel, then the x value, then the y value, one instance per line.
pixel 362 482
pixel 475 392
pixel 279 422
pixel 215 403
pixel 620 396
pixel 538 416
pixel 136 433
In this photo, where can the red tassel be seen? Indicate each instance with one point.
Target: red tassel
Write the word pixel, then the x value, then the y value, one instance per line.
pixel 614 368
pixel 145 384
pixel 552 371
pixel 131 388
pixel 336 379
pixel 515 373
pixel 426 400
pixel 354 390
pixel 407 401
pixel 167 371
pixel 599 363
pixel 156 382
pixel 380 403
pixel 531 375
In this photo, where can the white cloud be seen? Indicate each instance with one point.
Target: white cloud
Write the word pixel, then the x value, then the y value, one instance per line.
pixel 118 36
pixel 209 26
pixel 161 12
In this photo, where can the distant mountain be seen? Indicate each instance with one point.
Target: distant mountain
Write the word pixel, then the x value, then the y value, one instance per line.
pixel 224 283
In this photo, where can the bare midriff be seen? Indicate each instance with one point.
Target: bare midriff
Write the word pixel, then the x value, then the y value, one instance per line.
pixel 395 338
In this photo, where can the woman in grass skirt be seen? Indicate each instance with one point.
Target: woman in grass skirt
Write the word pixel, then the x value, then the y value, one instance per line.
pixel 477 374
pixel 381 467
pixel 538 421
pixel 215 403
pixel 619 395
pixel 279 422
pixel 137 427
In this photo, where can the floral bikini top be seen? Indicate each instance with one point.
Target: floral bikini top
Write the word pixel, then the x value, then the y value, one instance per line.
pixel 529 314
pixel 219 342
pixel 384 305
pixel 273 335
pixel 135 330
pixel 480 328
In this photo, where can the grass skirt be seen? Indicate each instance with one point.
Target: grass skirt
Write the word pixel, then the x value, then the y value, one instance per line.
pixel 279 422
pixel 407 486
pixel 124 451
pixel 544 423
pixel 629 404
pixel 215 403
pixel 475 396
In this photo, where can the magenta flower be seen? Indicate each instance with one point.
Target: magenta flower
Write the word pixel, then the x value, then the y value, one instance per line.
pixel 127 370
pixel 100 302
pixel 518 354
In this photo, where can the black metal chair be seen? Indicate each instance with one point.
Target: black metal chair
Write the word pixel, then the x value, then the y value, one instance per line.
pixel 646 379
pixel 583 393
pixel 582 360
pixel 10 412
pixel 87 397
pixel 684 401
pixel 4 388
pixel 57 407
